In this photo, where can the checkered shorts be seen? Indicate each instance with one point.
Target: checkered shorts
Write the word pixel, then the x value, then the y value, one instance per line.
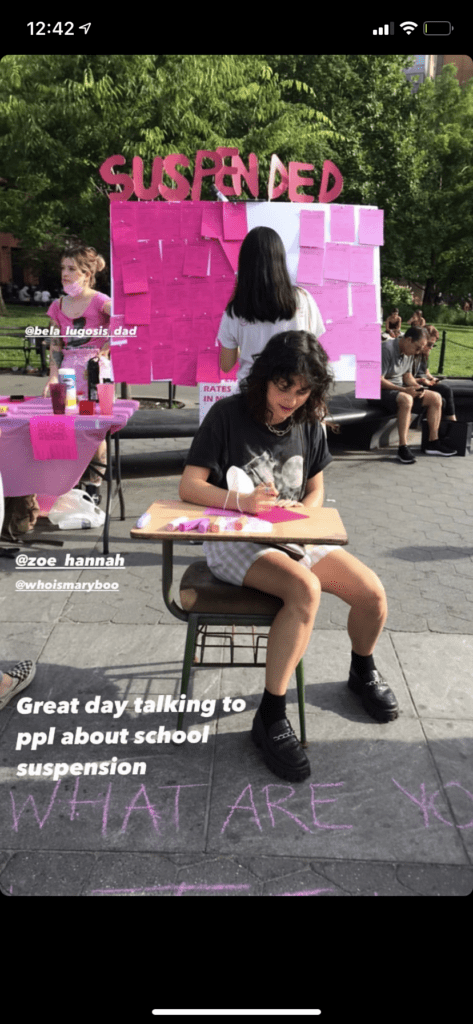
pixel 230 562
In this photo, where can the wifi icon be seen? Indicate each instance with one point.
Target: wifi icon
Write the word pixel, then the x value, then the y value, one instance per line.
pixel 408 26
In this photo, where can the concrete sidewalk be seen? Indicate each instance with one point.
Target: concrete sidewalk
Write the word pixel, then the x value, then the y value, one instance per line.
pixel 387 809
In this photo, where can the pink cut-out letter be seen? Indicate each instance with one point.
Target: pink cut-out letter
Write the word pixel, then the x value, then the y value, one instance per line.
pixel 295 182
pixel 140 191
pixel 183 187
pixel 106 172
pixel 276 165
pixel 327 195
pixel 227 190
pixel 203 172
pixel 250 175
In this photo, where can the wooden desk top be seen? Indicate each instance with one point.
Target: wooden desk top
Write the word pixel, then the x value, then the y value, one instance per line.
pixel 322 526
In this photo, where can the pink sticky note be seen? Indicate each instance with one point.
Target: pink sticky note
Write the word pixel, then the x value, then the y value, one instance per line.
pixel 232 252
pixel 208 369
pixel 280 515
pixel 162 360
pixel 337 261
pixel 203 333
pixel 234 221
pixel 368 342
pixel 191 221
pixel 196 260
pixel 212 220
pixel 167 220
pixel 138 355
pixel 361 264
pixel 185 359
pixel 135 277
pixel 334 301
pixel 53 437
pixel 368 378
pixel 310 269
pixel 342 223
pixel 312 228
pixel 371 227
pixel 138 309
pixel 363 298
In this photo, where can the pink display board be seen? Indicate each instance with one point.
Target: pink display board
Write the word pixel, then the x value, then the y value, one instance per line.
pixel 174 266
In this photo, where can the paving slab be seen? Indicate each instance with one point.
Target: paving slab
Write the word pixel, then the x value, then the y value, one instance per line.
pixel 387 810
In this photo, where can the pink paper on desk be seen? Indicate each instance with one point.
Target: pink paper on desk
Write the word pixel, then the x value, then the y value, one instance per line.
pixel 312 230
pixel 280 515
pixel 234 221
pixel 337 262
pixel 223 512
pixel 135 277
pixel 311 266
pixel 371 227
pixel 53 437
pixel 342 223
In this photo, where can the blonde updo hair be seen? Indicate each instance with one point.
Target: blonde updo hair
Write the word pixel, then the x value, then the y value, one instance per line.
pixel 87 258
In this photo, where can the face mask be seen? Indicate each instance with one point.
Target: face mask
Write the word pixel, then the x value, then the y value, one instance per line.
pixel 73 289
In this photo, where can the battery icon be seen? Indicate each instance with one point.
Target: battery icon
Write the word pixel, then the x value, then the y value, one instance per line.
pixel 437 28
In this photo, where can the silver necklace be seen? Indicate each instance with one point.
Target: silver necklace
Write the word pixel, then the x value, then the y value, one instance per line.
pixel 281 432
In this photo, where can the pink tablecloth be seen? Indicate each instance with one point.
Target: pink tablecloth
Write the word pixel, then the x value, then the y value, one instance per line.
pixel 23 474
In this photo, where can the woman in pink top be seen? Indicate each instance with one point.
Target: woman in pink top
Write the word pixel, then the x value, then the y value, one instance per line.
pixel 82 308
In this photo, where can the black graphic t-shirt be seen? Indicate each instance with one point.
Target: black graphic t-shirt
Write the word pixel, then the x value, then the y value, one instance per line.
pixel 229 436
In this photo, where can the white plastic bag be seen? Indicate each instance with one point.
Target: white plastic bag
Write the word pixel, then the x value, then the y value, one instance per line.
pixel 75 511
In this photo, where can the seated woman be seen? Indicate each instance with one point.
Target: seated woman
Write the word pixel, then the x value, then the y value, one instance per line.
pixel 272 431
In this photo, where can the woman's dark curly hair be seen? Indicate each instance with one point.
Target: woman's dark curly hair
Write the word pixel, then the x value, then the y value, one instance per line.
pixel 286 356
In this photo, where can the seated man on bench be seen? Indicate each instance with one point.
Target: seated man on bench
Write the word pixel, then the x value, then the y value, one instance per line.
pixel 402 394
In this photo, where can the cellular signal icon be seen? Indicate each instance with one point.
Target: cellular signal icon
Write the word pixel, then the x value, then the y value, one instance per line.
pixel 386 30
pixel 408 26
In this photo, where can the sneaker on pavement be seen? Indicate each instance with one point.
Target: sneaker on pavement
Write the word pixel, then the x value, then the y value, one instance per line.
pixel 404 454
pixel 440 448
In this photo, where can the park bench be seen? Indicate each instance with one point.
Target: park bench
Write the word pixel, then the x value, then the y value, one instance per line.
pixel 27 345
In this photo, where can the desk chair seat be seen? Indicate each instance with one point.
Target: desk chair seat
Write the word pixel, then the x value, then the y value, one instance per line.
pixel 210 601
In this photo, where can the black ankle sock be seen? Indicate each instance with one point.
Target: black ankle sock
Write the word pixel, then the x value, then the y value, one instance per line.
pixel 361 664
pixel 272 708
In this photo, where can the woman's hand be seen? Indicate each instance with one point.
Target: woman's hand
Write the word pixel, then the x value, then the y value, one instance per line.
pixel 51 380
pixel 260 500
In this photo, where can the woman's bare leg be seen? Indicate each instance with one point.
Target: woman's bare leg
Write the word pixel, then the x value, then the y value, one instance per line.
pixel 276 573
pixel 341 574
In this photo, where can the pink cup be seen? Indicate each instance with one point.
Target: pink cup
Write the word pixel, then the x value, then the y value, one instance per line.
pixel 106 393
pixel 58 396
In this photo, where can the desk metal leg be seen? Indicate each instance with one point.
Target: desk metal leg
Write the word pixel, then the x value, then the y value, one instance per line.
pixel 109 493
pixel 118 475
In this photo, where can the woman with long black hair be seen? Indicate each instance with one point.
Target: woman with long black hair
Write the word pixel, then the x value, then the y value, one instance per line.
pixel 271 432
pixel 264 302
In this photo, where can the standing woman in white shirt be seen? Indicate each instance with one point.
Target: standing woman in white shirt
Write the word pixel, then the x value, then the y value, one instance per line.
pixel 264 302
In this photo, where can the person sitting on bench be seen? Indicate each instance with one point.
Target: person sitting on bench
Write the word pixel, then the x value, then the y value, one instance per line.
pixel 401 394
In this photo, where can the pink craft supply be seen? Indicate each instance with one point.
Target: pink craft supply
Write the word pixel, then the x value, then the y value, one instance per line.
pixel 203 525
pixel 280 515
pixel 192 525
